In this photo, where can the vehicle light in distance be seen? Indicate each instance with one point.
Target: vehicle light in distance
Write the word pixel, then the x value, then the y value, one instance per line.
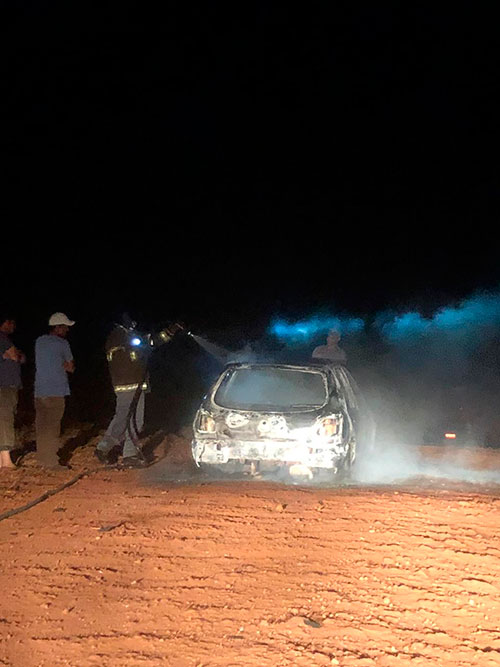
pixel 328 427
pixel 206 424
pixel 450 436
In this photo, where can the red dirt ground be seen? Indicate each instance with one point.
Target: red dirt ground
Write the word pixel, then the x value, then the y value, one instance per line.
pixel 133 568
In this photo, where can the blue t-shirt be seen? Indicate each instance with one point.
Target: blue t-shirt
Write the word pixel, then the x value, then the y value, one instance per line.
pixel 10 371
pixel 50 377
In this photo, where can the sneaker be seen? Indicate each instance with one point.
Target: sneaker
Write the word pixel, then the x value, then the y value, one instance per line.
pixel 134 462
pixel 102 456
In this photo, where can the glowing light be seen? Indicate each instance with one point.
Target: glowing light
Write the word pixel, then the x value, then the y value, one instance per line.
pixel 461 321
pixel 450 436
pixel 135 342
pixel 207 424
pixel 404 326
pixel 307 329
pixel 328 427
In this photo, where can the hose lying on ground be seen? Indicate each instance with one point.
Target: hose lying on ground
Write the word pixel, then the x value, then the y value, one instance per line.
pixel 58 489
pixel 47 494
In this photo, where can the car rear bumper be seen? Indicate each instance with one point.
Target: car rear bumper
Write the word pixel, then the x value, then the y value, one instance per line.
pixel 328 456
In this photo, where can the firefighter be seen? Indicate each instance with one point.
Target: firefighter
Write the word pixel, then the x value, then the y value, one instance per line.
pixel 127 356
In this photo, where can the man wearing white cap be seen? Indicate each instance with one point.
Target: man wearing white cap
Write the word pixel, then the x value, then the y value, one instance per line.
pixel 54 360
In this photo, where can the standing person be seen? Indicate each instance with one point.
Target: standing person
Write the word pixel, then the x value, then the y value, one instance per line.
pixel 10 382
pixel 331 351
pixel 126 352
pixel 54 360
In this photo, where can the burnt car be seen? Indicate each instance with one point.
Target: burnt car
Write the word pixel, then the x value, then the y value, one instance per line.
pixel 305 419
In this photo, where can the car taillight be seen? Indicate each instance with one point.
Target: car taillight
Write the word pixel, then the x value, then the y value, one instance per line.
pixel 207 424
pixel 328 427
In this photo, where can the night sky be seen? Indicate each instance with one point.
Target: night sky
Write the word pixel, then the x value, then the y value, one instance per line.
pixel 225 165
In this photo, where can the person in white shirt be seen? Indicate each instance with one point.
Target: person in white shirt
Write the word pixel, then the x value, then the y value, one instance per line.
pixel 331 351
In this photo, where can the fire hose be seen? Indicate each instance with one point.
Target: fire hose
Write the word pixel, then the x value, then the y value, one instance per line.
pixel 131 424
pixel 47 494
pixel 132 429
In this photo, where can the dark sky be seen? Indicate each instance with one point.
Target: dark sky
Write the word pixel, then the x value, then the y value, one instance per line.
pixel 226 164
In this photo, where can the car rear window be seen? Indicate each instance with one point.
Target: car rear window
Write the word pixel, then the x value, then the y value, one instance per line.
pixel 271 388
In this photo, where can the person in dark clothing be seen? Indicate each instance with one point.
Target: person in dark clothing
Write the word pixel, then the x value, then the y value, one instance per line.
pixel 10 382
pixel 126 352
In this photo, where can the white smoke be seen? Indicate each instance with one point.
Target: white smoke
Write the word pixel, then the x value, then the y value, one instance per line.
pixel 393 463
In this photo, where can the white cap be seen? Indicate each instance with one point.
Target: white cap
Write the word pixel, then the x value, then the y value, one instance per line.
pixel 60 318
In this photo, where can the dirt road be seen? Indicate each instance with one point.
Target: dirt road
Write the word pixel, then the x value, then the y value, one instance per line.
pixel 129 568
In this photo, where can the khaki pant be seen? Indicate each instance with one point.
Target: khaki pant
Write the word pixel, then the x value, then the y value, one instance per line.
pixel 8 404
pixel 49 413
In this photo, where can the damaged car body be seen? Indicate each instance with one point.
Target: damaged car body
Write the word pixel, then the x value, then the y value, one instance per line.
pixel 305 418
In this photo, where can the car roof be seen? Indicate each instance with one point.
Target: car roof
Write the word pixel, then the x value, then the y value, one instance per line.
pixel 313 365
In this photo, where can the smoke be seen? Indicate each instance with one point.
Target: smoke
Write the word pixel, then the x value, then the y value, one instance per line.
pixel 472 319
pixel 396 463
pixel 422 374
pixel 216 351
pixel 245 354
pixel 476 315
pixel 307 329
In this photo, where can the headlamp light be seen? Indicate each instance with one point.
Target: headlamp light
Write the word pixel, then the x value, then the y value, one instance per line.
pixel 207 423
pixel 328 427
